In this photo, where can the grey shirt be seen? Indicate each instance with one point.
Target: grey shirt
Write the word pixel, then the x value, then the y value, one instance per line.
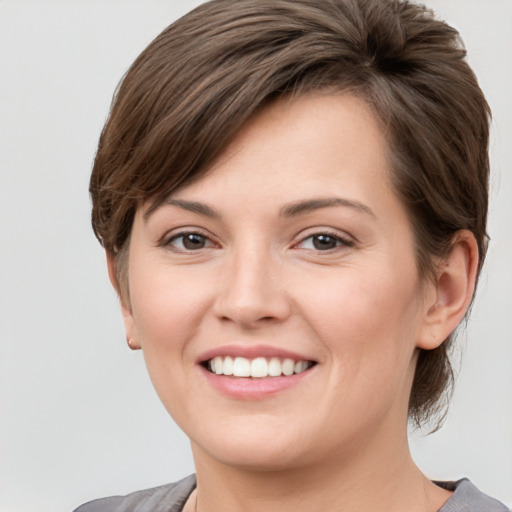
pixel 172 498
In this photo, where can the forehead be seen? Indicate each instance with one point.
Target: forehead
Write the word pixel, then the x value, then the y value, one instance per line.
pixel 312 140
pixel 291 129
pixel 315 147
pixel 337 118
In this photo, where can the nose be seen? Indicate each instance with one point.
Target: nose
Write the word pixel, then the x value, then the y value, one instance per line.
pixel 252 292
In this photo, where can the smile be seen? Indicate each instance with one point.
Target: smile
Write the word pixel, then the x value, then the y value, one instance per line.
pixel 260 367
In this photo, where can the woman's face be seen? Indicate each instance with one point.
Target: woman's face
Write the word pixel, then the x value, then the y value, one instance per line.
pixel 292 254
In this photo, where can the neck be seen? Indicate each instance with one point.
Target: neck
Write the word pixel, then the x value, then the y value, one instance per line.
pixel 389 482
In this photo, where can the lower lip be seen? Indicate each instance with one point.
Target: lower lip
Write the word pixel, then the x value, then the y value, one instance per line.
pixel 248 388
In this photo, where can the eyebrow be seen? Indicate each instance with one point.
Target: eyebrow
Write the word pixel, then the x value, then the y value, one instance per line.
pixel 300 207
pixel 288 210
pixel 191 206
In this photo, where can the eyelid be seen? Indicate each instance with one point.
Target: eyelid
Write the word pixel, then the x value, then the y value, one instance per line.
pixel 345 240
pixel 170 236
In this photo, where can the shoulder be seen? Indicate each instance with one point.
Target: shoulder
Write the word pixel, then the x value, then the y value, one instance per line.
pixel 467 498
pixel 166 498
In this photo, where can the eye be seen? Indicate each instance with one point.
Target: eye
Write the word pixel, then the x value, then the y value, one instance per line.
pixel 324 242
pixel 189 241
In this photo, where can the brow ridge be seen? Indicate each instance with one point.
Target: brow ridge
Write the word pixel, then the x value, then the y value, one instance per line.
pixel 191 206
pixel 289 210
pixel 308 205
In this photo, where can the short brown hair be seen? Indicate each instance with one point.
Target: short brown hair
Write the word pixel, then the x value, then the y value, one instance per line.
pixel 202 78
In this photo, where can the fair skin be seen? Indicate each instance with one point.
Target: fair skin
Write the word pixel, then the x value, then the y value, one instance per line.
pixel 294 246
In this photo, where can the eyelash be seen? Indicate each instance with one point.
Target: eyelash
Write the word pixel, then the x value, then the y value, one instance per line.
pixel 169 241
pixel 339 241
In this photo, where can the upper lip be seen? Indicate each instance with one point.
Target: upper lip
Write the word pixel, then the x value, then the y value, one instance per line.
pixel 251 352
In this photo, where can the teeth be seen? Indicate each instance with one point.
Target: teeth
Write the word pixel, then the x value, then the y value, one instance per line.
pixel 274 367
pixel 259 367
pixel 288 367
pixel 300 366
pixel 217 364
pixel 227 366
pixel 256 368
pixel 241 367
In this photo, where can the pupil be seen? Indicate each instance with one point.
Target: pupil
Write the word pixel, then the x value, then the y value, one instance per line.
pixel 324 242
pixel 193 241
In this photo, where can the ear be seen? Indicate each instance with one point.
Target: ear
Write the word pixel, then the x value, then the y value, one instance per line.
pixel 129 323
pixel 451 292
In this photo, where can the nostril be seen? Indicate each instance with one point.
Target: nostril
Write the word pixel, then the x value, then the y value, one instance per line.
pixel 247 320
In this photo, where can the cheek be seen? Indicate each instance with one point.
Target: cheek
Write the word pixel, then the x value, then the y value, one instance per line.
pixel 167 306
pixel 367 318
pixel 167 310
pixel 369 327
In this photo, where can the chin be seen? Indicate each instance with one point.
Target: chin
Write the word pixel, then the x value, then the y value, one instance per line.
pixel 258 451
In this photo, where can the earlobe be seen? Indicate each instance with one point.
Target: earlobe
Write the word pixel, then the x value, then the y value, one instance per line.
pixel 129 323
pixel 454 288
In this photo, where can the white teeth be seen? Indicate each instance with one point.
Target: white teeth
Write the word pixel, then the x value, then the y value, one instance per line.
pixel 256 368
pixel 288 366
pixel 259 367
pixel 300 366
pixel 217 365
pixel 227 367
pixel 274 367
pixel 241 367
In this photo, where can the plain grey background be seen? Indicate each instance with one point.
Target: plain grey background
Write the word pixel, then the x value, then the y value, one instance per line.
pixel 79 418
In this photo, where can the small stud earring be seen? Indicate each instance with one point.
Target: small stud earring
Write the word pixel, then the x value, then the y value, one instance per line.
pixel 129 340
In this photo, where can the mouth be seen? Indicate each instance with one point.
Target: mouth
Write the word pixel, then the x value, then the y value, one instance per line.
pixel 259 367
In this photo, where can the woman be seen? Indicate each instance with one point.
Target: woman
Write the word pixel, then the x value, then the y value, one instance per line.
pixel 293 199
